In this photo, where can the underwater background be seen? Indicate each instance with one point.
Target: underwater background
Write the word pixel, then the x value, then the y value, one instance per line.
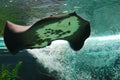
pixel 99 59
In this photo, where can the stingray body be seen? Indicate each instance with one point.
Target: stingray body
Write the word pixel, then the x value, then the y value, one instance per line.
pixel 70 27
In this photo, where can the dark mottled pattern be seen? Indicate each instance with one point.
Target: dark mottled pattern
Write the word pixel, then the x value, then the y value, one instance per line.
pixel 58 32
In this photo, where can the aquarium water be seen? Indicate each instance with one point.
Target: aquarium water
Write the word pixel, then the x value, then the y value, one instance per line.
pixel 99 59
pixel 96 59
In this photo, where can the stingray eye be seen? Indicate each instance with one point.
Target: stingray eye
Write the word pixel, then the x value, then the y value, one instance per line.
pixel 69 23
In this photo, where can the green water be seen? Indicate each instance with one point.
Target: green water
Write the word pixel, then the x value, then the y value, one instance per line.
pixel 26 12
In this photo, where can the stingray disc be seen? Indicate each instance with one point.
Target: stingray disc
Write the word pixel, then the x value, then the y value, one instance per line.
pixel 70 27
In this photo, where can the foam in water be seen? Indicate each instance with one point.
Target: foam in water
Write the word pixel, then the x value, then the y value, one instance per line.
pixel 51 56
pixel 97 53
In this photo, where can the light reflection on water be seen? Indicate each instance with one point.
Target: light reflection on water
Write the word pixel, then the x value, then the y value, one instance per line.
pixel 2 44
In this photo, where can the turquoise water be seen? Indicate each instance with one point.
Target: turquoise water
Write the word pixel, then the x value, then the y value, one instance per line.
pixel 2 44
pixel 102 14
pixel 99 59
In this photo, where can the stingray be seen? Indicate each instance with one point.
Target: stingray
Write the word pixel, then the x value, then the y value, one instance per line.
pixel 70 27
